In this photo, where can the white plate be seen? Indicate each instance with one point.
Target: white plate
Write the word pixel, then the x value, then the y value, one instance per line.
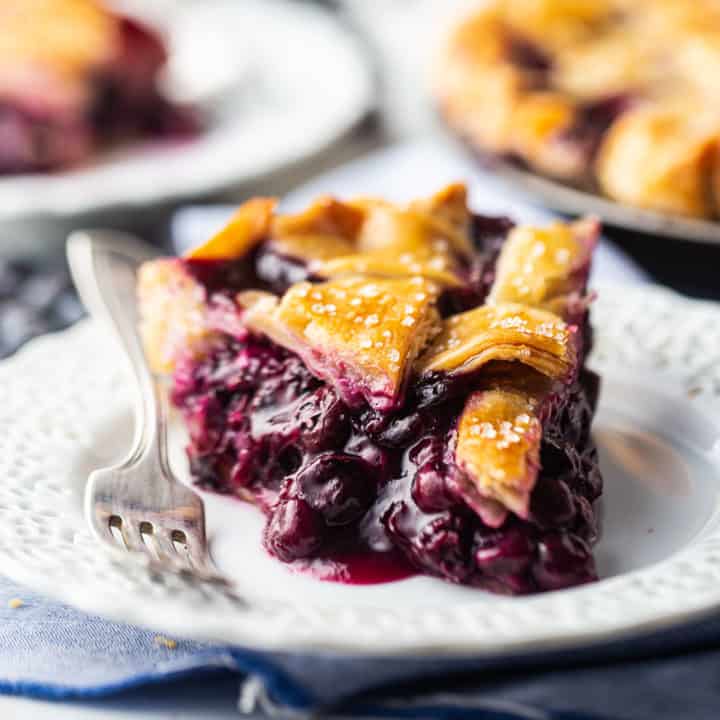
pixel 567 199
pixel 302 82
pixel 65 410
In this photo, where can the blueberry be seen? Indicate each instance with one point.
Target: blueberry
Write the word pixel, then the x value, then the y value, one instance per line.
pixel 515 584
pixel 338 486
pixel 586 525
pixel 279 381
pixel 554 459
pixel 248 459
pixel 552 504
pixel 592 479
pixel 507 552
pixel 288 460
pixel 433 389
pixel 564 560
pixel 204 423
pixel 437 543
pixel 323 420
pixel 370 422
pixel 429 489
pixel 402 431
pixel 427 450
pixel 528 56
pixel 294 530
pixel 213 471
pixel 375 456
pixel 490 231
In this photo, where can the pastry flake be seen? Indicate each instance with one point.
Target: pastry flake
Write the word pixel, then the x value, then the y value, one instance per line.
pixel 248 226
pixel 326 216
pixel 543 267
pixel 507 332
pixel 498 451
pixel 587 93
pixel 428 238
pixel 174 317
pixel 661 159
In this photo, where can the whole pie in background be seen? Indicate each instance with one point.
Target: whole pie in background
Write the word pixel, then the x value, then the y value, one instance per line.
pixel 75 76
pixel 618 96
pixel 399 388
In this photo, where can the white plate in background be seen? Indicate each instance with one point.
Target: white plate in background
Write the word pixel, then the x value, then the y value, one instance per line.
pixel 299 81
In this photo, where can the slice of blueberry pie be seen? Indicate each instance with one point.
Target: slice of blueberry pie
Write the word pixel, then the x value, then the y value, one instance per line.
pixel 73 76
pixel 616 96
pixel 399 388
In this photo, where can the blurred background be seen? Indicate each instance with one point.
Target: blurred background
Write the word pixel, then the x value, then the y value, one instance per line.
pixel 316 84
pixel 280 91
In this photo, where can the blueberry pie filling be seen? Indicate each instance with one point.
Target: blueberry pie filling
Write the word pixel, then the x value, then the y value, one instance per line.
pixel 399 389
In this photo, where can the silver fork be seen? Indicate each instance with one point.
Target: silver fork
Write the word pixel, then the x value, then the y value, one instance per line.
pixel 137 504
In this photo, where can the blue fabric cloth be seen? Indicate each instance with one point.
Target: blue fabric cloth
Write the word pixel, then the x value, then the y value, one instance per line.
pixel 48 650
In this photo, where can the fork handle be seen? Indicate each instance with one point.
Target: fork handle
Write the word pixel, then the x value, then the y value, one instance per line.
pixel 103 264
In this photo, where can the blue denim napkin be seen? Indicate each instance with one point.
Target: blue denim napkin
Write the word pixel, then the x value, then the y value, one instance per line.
pixel 48 650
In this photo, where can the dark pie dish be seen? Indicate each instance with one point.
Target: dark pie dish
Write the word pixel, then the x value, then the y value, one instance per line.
pixel 399 389
pixel 76 77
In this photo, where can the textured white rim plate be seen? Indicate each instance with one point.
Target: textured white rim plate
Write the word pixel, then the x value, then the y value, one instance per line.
pixel 302 83
pixel 66 409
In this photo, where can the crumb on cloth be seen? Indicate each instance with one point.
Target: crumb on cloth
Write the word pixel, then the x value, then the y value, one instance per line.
pixel 169 643
pixel 15 603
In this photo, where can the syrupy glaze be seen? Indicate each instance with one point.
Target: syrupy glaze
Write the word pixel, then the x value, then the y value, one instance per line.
pixel 359 496
pixel 359 568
